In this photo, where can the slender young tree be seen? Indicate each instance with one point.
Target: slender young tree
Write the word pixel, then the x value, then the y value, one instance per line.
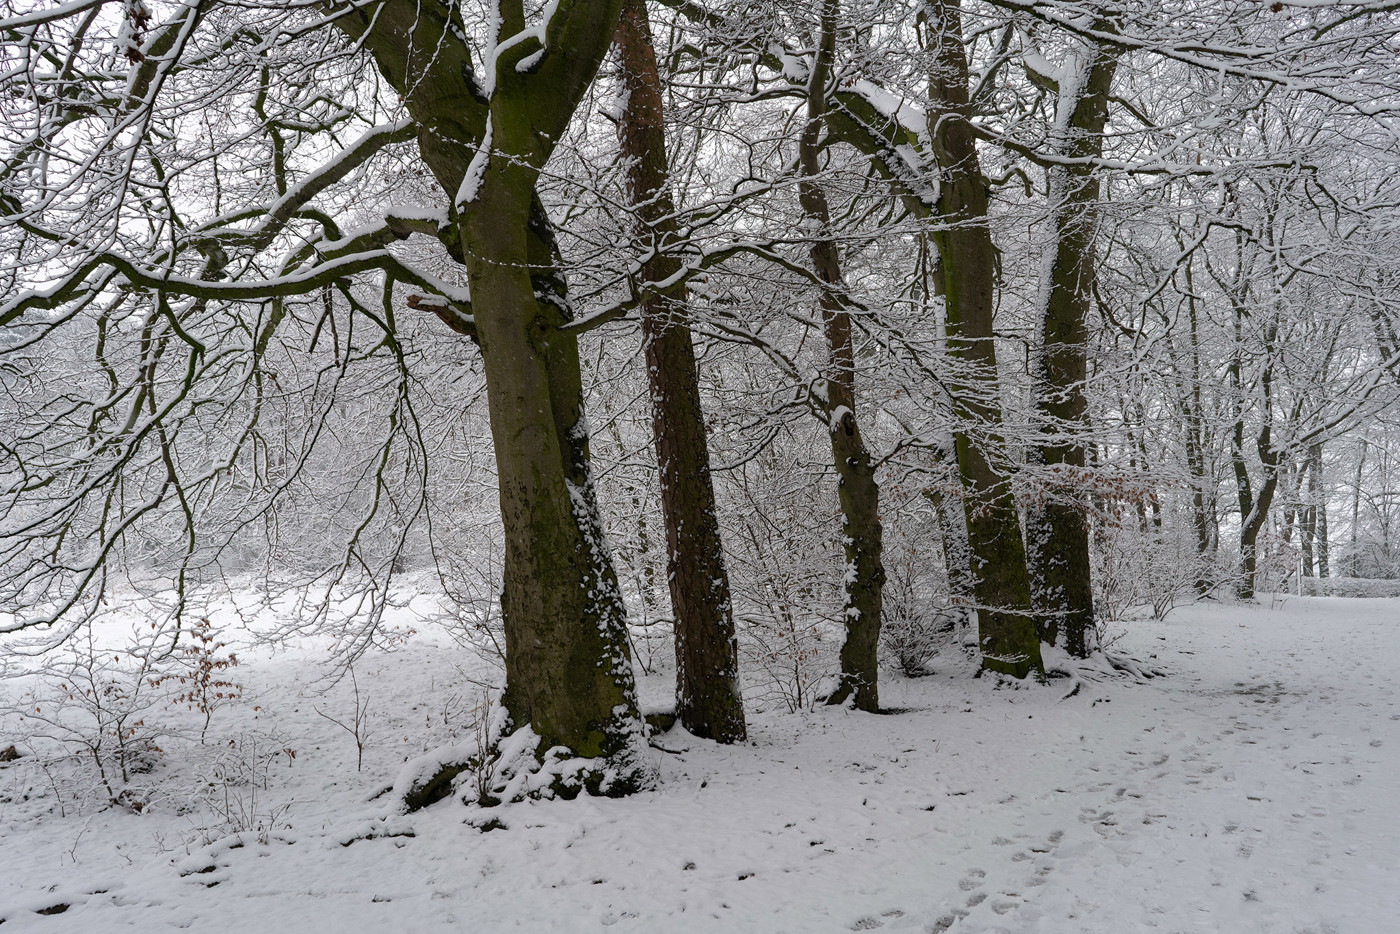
pixel 856 487
pixel 1317 494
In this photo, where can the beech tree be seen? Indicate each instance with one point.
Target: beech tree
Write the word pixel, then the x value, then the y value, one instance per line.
pixel 485 123
pixel 1057 532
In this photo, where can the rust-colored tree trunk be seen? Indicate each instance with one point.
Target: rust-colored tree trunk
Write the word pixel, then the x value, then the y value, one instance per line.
pixel 708 701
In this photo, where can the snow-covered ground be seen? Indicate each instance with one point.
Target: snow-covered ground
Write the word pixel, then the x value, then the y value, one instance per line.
pixel 1252 787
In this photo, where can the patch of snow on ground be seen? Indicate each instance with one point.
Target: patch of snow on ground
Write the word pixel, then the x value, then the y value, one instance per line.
pixel 1253 787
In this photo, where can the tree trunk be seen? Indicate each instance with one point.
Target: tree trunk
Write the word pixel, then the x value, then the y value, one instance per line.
pixel 1057 533
pixel 1256 514
pixel 1318 491
pixel 1356 511
pixel 1006 631
pixel 1197 440
pixel 1254 510
pixel 857 490
pixel 1307 528
pixel 957 556
pixel 708 700
pixel 568 669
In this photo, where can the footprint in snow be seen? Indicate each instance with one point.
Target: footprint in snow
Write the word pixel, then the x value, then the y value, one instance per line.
pixel 870 922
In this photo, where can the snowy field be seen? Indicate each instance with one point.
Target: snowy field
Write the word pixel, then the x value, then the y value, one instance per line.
pixel 1251 787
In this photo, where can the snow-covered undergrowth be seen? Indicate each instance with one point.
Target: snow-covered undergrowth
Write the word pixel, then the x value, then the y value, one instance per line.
pixel 1251 787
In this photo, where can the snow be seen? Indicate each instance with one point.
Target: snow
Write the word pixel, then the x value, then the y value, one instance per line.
pixel 438 216
pixel 536 32
pixel 476 171
pixel 1250 787
pixel 908 114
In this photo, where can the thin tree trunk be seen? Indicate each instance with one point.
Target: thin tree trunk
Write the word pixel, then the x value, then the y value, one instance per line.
pixel 952 519
pixel 1202 505
pixel 708 699
pixel 957 556
pixel 1318 492
pixel 1307 528
pixel 1356 510
pixel 1057 533
pixel 1292 511
pixel 1006 630
pixel 858 493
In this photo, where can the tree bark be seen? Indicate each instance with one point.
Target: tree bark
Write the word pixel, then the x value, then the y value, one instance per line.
pixel 952 518
pixel 857 490
pixel 568 669
pixel 1307 528
pixel 1256 513
pixel 1006 630
pixel 1057 533
pixel 1356 511
pixel 1203 501
pixel 957 556
pixel 708 699
pixel 1317 489
pixel 1254 510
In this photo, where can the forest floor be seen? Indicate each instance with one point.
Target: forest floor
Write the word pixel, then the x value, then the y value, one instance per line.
pixel 1252 786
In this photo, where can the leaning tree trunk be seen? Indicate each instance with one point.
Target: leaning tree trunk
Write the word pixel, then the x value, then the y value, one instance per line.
pixel 1256 512
pixel 1057 533
pixel 856 488
pixel 708 700
pixel 569 676
pixel 1006 631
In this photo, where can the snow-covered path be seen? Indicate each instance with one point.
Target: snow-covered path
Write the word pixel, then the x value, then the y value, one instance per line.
pixel 1253 788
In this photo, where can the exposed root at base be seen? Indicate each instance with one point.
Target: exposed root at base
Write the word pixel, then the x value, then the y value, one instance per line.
pixel 513 768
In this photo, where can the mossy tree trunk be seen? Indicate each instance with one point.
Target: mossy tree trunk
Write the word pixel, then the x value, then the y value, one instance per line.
pixel 1057 531
pixel 708 700
pixel 1006 630
pixel 568 672
pixel 857 490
